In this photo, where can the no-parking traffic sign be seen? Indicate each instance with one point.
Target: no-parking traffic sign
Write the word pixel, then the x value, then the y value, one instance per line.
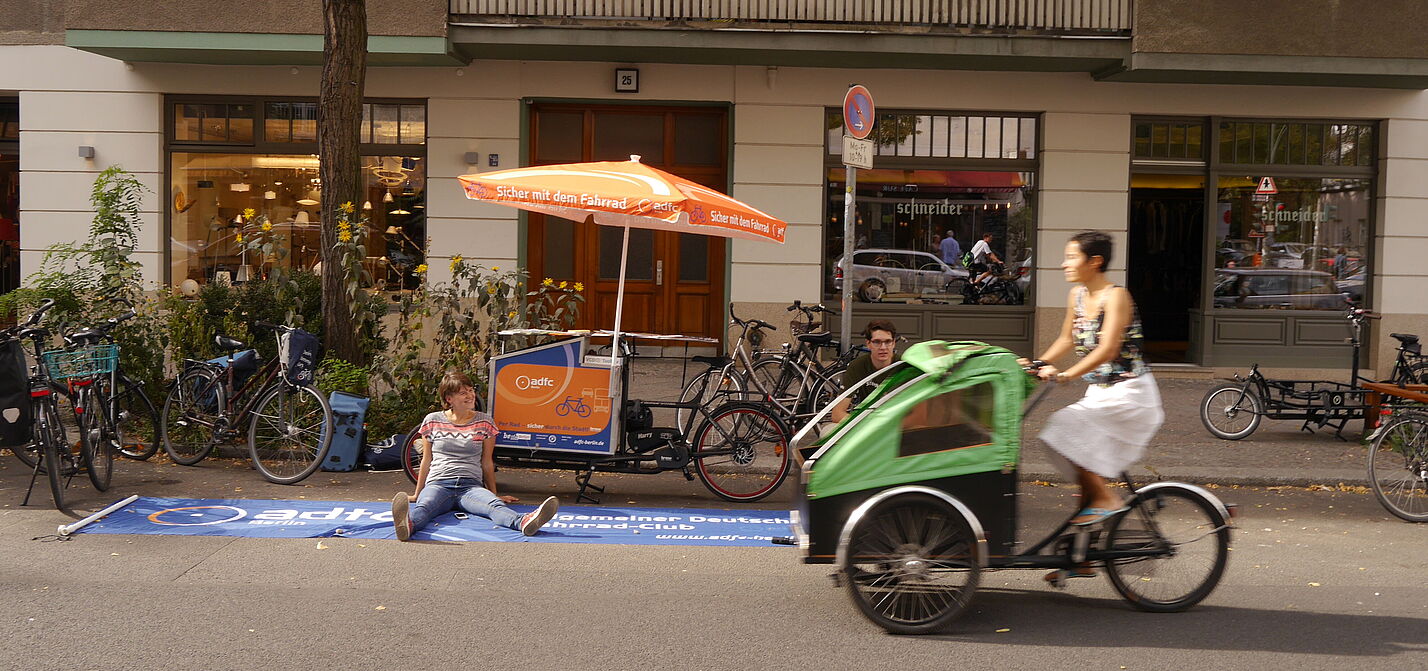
pixel 859 113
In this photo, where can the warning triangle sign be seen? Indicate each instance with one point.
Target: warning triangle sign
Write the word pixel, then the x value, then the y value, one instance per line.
pixel 1266 186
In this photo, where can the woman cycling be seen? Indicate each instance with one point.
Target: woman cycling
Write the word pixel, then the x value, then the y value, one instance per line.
pixel 1106 431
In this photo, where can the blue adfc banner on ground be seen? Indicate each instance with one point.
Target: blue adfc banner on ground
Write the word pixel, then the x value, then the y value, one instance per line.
pixel 348 519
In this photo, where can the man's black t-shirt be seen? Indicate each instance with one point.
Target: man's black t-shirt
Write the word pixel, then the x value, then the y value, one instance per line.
pixel 860 368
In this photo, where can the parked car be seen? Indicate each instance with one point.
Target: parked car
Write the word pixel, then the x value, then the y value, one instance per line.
pixel 878 272
pixel 1277 288
pixel 1353 285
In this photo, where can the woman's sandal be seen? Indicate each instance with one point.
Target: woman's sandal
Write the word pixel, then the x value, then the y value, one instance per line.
pixel 1095 515
pixel 1059 577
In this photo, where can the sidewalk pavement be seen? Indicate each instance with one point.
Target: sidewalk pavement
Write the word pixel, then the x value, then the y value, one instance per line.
pixel 1278 453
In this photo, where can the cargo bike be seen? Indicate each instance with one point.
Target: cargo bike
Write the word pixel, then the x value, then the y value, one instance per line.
pixel 913 498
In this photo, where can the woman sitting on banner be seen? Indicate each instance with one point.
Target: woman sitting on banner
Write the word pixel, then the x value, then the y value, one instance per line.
pixel 1101 435
pixel 458 470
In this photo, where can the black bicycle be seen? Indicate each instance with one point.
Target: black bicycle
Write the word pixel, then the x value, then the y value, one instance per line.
pixel 1232 411
pixel 134 419
pixel 51 449
pixel 289 424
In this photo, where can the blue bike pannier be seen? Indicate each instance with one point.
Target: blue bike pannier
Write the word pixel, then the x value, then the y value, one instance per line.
pixel 245 363
pixel 385 455
pixel 16 409
pixel 348 413
pixel 297 352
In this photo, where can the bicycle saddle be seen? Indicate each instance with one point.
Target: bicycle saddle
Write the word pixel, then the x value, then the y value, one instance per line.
pixel 816 338
pixel 711 361
pixel 229 344
pixel 1405 338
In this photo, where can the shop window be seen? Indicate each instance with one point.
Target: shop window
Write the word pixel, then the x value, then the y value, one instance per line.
pixel 9 121
pixel 214 123
pixel 1304 248
pixel 903 216
pixel 944 135
pixel 290 122
pixel 211 192
pixel 1295 143
pixel 219 168
pixel 1169 140
pixel 950 421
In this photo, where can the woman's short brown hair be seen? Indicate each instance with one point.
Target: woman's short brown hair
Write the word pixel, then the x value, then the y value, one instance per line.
pixel 452 382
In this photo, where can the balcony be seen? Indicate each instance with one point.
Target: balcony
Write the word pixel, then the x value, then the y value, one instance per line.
pixel 975 17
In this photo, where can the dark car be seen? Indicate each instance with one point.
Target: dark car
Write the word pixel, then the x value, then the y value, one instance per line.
pixel 1277 288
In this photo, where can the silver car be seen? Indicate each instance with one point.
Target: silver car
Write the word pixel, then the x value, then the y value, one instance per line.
pixel 878 272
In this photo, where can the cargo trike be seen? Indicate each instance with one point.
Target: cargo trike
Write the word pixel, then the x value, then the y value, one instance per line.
pixel 565 405
pixel 913 497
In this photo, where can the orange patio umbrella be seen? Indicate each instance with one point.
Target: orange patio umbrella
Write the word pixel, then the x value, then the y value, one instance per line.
pixel 629 194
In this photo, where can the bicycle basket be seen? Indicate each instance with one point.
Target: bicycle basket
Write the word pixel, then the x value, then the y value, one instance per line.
pixel 89 361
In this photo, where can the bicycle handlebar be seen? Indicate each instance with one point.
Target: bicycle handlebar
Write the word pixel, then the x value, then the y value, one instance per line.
pixel 39 314
pixel 755 323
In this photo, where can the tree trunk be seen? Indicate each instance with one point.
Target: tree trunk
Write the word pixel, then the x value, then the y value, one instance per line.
pixel 339 124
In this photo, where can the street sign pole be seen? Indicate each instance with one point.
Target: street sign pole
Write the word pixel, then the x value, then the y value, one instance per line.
pixel 859 117
pixel 850 185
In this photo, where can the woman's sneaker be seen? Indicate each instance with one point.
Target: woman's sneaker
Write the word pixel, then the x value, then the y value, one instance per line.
pixel 400 520
pixel 532 521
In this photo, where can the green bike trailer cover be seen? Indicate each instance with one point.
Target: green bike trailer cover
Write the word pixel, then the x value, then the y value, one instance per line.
pixel 975 391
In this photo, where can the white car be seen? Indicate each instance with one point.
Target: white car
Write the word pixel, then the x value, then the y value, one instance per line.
pixel 878 272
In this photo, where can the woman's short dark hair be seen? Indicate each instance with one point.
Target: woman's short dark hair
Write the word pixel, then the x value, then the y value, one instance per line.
pixel 452 382
pixel 879 325
pixel 1095 243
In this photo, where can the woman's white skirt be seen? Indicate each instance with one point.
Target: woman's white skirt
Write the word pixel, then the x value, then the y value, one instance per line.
pixel 1107 430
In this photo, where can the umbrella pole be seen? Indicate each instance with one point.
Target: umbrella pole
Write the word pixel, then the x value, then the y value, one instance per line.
pixel 619 306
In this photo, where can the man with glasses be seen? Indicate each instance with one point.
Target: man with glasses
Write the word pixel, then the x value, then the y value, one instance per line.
pixel 881 338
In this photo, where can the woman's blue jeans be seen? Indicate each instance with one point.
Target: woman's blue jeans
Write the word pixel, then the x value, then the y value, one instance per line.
pixel 465 494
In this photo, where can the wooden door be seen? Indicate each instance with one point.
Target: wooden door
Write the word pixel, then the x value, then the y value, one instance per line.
pixel 674 281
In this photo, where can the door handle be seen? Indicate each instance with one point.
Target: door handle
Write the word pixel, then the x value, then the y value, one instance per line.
pixel 659 273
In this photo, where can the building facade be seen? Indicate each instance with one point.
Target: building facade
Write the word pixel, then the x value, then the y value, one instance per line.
pixel 1156 120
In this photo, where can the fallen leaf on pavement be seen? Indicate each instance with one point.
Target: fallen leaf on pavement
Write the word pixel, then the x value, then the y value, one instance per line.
pixel 1003 631
pixel 321 545
pixel 380 608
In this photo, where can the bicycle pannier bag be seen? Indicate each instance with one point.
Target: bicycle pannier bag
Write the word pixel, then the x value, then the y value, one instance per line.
pixel 297 352
pixel 385 455
pixel 348 413
pixel 245 363
pixel 16 411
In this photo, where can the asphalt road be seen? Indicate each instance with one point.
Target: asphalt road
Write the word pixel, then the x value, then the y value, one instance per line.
pixel 1317 579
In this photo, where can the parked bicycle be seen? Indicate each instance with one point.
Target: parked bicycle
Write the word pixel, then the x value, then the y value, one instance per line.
pixel 289 423
pixel 50 451
pixel 1233 411
pixel 797 382
pixel 134 419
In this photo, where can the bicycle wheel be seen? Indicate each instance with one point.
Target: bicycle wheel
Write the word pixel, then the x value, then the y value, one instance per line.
pixel 782 382
pixel 741 452
pixel 411 456
pixel 290 433
pixel 702 389
pixel 1398 467
pixel 911 563
pixel 1169 550
pixel 67 430
pixel 135 420
pixel 1229 414
pixel 54 452
pixel 96 439
pixel 191 415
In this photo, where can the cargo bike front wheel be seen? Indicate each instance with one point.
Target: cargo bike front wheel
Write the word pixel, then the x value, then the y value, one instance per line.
pixel 1231 412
